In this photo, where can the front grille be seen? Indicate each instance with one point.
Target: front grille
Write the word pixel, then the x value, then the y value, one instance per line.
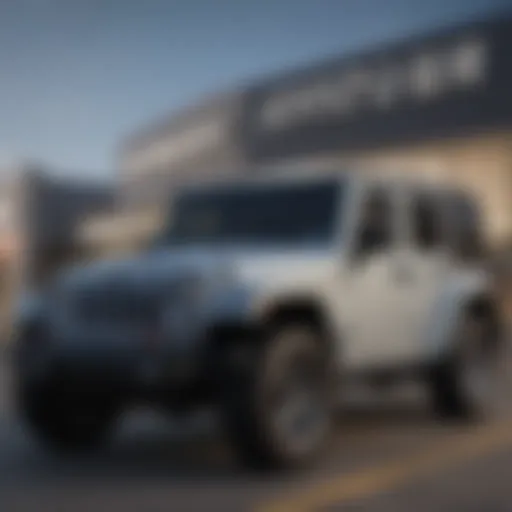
pixel 120 306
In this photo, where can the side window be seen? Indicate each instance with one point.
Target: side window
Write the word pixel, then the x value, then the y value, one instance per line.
pixel 467 237
pixel 425 217
pixel 376 228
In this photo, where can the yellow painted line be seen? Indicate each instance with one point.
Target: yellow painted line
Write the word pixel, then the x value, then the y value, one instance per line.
pixel 457 450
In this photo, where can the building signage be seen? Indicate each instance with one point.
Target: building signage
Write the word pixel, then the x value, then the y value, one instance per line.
pixel 440 86
pixel 421 78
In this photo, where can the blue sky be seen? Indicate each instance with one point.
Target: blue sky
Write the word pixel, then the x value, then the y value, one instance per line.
pixel 78 75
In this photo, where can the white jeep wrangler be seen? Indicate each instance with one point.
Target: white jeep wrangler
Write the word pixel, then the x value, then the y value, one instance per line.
pixel 264 297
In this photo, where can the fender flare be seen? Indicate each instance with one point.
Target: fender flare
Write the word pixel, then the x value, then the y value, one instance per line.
pixel 275 310
pixel 455 298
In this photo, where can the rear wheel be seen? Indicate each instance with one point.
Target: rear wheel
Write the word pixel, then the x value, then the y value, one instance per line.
pixel 466 386
pixel 277 406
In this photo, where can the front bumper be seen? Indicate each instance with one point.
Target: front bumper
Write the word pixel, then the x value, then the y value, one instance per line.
pixel 130 368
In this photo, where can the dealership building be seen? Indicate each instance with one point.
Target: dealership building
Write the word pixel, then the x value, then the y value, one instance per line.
pixel 439 105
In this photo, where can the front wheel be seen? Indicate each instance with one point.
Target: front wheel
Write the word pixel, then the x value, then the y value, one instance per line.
pixel 277 406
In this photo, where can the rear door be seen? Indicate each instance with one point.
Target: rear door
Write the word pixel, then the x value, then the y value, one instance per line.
pixel 431 263
pixel 373 303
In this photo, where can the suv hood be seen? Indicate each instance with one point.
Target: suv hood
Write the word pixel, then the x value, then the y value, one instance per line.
pixel 253 266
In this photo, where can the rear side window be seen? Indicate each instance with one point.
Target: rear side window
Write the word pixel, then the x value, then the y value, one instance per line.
pixel 466 226
pixel 426 221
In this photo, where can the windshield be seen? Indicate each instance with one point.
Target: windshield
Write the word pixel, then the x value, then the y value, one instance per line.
pixel 303 213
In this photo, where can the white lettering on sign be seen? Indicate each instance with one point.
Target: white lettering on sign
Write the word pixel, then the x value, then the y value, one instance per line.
pixel 469 63
pixel 424 77
pixel 428 77
pixel 387 89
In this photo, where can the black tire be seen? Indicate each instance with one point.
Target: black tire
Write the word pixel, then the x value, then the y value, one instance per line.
pixel 64 424
pixel 452 394
pixel 251 386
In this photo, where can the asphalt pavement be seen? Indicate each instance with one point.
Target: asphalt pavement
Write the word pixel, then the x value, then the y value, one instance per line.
pixel 389 454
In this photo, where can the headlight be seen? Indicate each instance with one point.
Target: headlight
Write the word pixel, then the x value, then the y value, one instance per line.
pixel 184 312
pixel 29 307
pixel 28 328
